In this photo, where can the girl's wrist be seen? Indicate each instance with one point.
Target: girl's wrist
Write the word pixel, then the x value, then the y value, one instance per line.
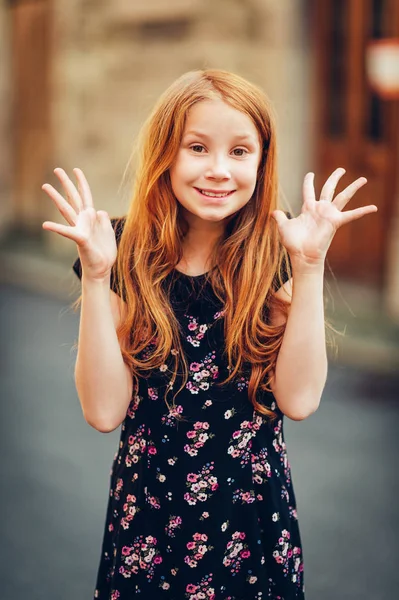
pixel 302 266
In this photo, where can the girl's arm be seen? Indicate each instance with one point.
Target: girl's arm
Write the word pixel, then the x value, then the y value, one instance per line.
pixel 103 381
pixel 301 368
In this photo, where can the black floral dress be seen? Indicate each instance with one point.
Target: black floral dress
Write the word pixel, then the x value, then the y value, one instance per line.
pixel 202 508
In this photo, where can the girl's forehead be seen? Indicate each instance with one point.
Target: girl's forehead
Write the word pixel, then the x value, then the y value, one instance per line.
pixel 217 116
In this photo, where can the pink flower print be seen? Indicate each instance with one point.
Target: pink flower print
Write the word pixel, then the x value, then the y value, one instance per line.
pixel 247 497
pixel 202 590
pixel 221 313
pixel 133 406
pixel 130 510
pixel 236 551
pixel 173 524
pixel 170 419
pixel 195 367
pixel 207 403
pixel 261 469
pixel 197 331
pixel 191 588
pixel 136 446
pixel 114 595
pixel 142 555
pixel 202 374
pixel 288 556
pixel 203 488
pixel 198 436
pixel 152 393
pixel 164 585
pixel 118 488
pixel 197 549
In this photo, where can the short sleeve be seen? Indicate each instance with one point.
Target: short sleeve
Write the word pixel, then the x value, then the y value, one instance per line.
pixel 118 225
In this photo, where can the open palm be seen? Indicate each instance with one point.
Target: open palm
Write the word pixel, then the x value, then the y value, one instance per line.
pixel 309 235
pixel 90 229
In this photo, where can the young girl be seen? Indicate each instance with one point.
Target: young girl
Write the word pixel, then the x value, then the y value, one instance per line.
pixel 202 346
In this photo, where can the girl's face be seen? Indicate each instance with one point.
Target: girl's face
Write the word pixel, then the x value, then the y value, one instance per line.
pixel 214 174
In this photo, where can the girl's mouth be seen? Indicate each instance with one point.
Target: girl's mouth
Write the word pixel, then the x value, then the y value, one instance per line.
pixel 215 195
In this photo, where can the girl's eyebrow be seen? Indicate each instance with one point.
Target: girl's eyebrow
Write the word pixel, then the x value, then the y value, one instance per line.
pixel 241 137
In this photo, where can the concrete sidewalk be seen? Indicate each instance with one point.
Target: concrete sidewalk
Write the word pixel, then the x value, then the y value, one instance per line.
pixel 367 338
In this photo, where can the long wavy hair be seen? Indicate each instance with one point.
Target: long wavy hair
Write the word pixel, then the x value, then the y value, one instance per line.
pixel 248 260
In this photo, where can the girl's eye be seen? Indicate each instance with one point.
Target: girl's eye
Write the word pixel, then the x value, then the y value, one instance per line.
pixel 240 150
pixel 195 147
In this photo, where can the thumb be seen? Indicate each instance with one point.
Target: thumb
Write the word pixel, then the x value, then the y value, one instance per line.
pixel 280 217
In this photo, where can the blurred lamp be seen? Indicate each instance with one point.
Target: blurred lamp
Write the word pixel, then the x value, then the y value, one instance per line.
pixel 382 67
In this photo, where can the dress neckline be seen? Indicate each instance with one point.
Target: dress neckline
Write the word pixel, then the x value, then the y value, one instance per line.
pixel 195 277
pixel 191 276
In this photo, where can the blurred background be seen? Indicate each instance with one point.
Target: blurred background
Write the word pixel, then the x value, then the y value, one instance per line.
pixel 77 80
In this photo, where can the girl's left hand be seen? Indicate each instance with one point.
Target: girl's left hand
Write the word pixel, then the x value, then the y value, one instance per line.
pixel 308 236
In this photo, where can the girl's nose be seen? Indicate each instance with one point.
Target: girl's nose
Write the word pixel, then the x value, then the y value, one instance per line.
pixel 218 169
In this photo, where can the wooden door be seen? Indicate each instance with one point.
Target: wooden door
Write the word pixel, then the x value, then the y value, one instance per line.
pixel 355 129
pixel 30 111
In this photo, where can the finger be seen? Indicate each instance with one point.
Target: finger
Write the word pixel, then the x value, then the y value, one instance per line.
pixel 357 213
pixel 84 189
pixel 327 192
pixel 63 230
pixel 63 206
pixel 343 197
pixel 280 217
pixel 309 194
pixel 70 190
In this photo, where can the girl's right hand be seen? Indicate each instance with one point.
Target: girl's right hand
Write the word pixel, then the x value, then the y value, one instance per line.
pixel 91 229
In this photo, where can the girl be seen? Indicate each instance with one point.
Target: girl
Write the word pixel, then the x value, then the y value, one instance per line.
pixel 203 344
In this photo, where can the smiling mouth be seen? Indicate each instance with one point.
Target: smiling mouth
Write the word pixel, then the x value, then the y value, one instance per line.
pixel 209 194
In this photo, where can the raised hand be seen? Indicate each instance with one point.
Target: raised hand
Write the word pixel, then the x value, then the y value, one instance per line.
pixel 308 236
pixel 90 229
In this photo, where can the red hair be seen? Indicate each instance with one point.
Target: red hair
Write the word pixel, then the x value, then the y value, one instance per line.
pixel 248 260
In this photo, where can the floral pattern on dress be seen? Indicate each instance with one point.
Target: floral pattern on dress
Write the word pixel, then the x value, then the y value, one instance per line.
pixel 289 557
pixel 202 485
pixel 130 509
pixel 241 441
pixel 197 436
pixel 221 472
pixel 197 547
pixel 143 555
pixel 201 590
pixel 201 374
pixel 173 525
pixel 261 469
pixel 170 419
pixel 236 552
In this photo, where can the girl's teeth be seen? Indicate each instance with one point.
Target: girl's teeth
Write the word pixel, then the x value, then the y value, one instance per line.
pixel 214 195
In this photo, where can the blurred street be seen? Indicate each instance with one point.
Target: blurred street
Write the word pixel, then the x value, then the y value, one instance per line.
pixel 55 469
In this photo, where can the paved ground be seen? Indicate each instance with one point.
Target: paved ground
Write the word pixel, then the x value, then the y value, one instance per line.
pixel 55 470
